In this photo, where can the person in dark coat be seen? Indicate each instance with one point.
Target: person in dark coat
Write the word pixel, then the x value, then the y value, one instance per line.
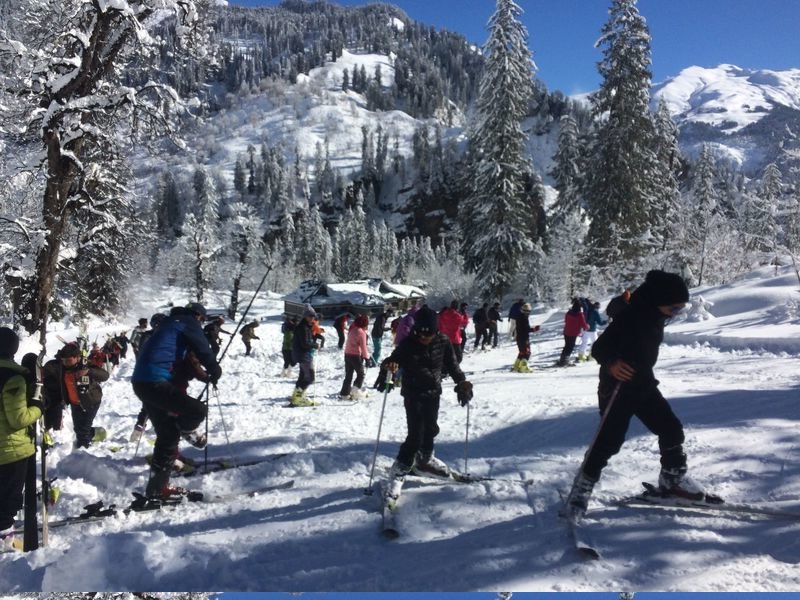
pixel 494 320
pixel 303 348
pixel 287 329
pixel 379 327
pixel 513 313
pixel 248 334
pixel 618 304
pixel 69 380
pixel 136 336
pixel 480 320
pixel 141 418
pixel 423 356
pixel 340 324
pixel 174 413
pixel 627 352
pixel 212 332
pixel 522 332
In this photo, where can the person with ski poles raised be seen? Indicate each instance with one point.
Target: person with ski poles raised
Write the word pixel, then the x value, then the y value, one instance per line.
pixel 18 411
pixel 173 413
pixel 627 352
pixel 423 356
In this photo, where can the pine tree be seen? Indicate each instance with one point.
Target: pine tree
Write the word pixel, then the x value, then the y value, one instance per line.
pixel 620 187
pixel 567 171
pixel 703 213
pixel 496 216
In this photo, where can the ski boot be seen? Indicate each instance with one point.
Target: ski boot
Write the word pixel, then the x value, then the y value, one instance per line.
pixel 431 465
pixel 196 438
pixel 675 482
pixel 577 502
pixel 397 477
pixel 299 398
pixel 10 542
pixel 99 434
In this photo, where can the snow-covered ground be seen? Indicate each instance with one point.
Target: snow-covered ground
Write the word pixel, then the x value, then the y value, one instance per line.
pixel 732 379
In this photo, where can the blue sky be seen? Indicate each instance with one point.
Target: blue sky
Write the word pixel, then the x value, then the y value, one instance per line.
pixel 562 33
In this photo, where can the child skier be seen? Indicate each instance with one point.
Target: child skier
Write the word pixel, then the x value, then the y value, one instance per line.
pixel 422 356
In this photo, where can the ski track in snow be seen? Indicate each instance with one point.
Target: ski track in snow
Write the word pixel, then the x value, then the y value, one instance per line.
pixel 739 408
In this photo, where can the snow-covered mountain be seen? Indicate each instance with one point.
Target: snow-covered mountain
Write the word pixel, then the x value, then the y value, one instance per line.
pixel 750 116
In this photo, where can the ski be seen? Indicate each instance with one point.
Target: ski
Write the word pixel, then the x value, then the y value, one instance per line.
pixel 580 539
pixel 191 467
pixel 143 504
pixel 99 510
pixel 452 476
pixel 653 497
pixel 389 502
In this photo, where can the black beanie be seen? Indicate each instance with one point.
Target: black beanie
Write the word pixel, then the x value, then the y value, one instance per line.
pixel 9 343
pixel 425 321
pixel 661 289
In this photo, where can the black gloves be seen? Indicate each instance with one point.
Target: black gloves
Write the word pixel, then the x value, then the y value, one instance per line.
pixel 369 363
pixel 214 374
pixel 464 392
pixel 384 382
pixel 38 402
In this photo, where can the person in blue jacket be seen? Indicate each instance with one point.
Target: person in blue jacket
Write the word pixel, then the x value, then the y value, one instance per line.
pixel 173 413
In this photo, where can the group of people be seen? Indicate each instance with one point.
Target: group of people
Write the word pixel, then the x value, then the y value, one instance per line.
pixel 176 350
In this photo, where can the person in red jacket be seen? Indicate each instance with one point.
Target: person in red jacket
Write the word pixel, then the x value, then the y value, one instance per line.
pixel 574 324
pixel 451 323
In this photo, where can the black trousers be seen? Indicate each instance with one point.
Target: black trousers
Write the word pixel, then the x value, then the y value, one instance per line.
pixel 307 374
pixel 171 411
pixel 422 415
pixel 287 358
pixel 650 407
pixel 353 363
pixel 569 346
pixel 12 482
pixel 82 420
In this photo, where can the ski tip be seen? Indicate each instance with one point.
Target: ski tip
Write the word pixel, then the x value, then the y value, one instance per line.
pixel 588 553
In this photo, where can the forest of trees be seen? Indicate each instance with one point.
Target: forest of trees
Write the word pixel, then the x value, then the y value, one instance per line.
pixel 479 223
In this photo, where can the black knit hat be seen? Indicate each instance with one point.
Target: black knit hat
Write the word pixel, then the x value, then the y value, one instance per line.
pixel 425 321
pixel 9 343
pixel 662 289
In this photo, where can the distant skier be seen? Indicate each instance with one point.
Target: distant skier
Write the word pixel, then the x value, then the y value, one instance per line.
pixel 594 320
pixel 248 334
pixel 304 346
pixel 355 354
pixel 574 324
pixel 627 352
pixel 522 332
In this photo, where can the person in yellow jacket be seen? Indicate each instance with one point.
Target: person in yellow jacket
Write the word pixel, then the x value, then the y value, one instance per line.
pixel 17 413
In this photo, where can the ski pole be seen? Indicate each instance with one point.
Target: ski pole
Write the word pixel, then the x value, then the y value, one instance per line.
pixel 606 412
pixel 222 418
pixel 466 443
pixel 230 339
pixel 368 490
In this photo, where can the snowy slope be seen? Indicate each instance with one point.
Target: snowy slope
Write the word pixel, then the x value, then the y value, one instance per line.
pixel 738 402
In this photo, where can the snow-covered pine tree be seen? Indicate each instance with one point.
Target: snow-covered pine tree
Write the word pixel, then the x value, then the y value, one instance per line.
pixel 200 240
pixel 622 170
pixel 314 247
pixel 702 218
pixel 242 252
pixel 496 217
pixel 667 194
pixel 48 61
pixel 567 171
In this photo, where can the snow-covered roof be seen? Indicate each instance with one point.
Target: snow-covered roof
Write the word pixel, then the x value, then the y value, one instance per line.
pixel 363 292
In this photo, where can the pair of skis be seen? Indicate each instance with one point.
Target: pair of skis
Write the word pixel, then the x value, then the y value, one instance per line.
pixel 390 527
pixel 655 498
pixel 99 510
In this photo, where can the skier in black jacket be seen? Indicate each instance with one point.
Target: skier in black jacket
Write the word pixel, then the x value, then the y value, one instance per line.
pixel 422 356
pixel 627 352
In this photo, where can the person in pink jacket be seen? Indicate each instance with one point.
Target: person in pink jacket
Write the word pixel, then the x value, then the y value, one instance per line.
pixel 451 322
pixel 355 353
pixel 574 324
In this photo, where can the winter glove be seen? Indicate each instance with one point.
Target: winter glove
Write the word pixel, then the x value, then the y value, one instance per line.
pixel 214 374
pixel 369 363
pixel 383 383
pixel 37 402
pixel 535 328
pixel 464 392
